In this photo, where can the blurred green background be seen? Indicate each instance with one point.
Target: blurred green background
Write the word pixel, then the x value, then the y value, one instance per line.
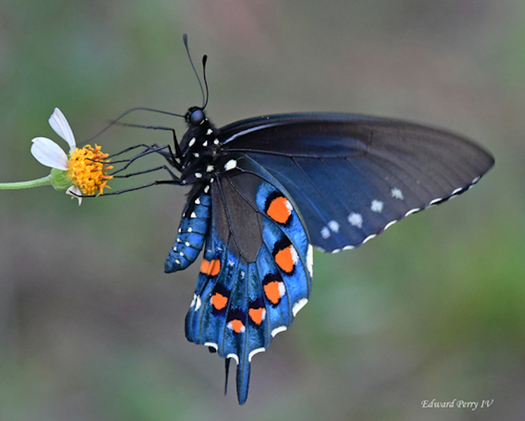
pixel 90 326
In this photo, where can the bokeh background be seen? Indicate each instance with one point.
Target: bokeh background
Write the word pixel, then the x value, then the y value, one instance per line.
pixel 90 326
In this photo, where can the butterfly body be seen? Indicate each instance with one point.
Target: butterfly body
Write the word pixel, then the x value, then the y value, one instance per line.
pixel 267 189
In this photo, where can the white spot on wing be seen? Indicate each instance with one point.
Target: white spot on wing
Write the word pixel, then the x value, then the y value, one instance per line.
pixel 298 306
pixel 230 326
pixel 230 165
pixel 197 303
pixel 349 247
pixel 325 233
pixel 397 193
pixel 282 289
pixel 376 206
pixel 198 175
pixel 295 256
pixel 355 219
pixel 369 238
pixel 197 201
pixel 390 224
pixel 193 215
pixel 334 226
pixel 233 356
pixel 278 330
pixel 288 205
pixel 210 131
pixel 255 351
pixel 411 211
pixel 192 142
pixel 310 260
pixel 209 168
pixel 212 345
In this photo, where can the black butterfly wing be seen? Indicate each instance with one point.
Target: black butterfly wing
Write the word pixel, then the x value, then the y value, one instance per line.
pixel 257 267
pixel 353 176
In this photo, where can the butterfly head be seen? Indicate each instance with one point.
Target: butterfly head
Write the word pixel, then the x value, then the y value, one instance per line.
pixel 195 116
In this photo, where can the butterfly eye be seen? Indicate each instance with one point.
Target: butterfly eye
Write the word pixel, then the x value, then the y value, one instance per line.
pixel 196 117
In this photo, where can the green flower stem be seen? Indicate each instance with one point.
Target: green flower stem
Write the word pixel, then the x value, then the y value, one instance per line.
pixel 16 185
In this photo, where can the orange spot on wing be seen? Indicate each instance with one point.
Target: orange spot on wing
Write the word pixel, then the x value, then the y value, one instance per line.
pixel 219 301
pixel 271 290
pixel 211 268
pixel 279 210
pixel 257 315
pixel 285 259
pixel 236 325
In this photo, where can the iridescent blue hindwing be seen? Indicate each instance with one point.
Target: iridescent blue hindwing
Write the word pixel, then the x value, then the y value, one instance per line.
pixel 257 268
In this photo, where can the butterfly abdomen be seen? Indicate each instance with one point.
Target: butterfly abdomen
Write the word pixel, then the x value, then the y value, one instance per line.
pixel 192 231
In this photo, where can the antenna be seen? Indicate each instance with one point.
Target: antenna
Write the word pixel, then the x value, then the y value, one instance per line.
pixel 204 93
pixel 204 96
pixel 204 61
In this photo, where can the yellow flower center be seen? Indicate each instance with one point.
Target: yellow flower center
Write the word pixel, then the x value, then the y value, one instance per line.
pixel 87 171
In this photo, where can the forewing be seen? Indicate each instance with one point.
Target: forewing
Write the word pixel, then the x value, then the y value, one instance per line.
pixel 353 176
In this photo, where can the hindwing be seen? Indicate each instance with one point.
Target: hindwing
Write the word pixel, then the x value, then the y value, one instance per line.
pixel 256 272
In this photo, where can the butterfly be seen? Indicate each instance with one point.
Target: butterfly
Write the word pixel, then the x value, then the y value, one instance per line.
pixel 266 190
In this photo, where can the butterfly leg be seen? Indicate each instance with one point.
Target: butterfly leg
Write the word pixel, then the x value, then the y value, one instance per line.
pixel 178 153
pixel 175 159
pixel 162 167
pixel 147 148
pixel 154 183
pixel 147 151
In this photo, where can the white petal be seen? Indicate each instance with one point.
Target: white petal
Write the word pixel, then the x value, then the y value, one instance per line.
pixel 48 153
pixel 60 125
pixel 75 193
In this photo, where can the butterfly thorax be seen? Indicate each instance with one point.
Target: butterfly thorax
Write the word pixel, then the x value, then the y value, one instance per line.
pixel 199 148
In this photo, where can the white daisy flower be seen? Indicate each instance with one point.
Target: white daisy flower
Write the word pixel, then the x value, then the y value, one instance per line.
pixel 80 172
